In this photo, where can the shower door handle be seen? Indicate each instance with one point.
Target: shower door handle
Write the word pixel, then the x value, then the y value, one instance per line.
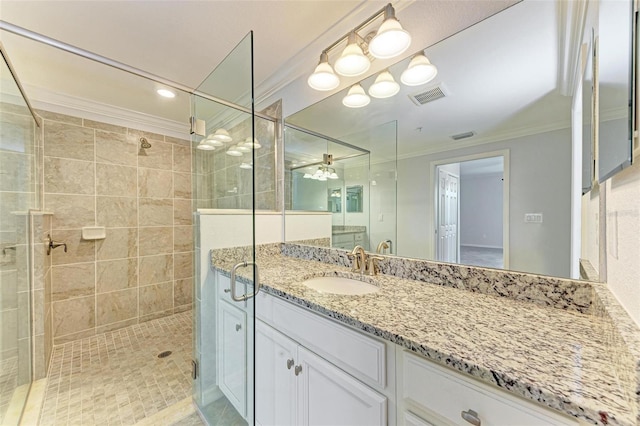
pixel 256 284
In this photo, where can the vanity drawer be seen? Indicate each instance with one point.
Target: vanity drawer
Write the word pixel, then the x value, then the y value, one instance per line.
pixel 342 238
pixel 362 356
pixel 358 238
pixel 444 394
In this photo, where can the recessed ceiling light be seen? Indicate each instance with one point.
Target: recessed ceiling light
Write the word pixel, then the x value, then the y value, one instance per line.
pixel 166 93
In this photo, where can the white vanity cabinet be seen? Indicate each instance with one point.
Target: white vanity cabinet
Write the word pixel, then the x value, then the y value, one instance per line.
pixel 349 240
pixel 429 394
pixel 296 385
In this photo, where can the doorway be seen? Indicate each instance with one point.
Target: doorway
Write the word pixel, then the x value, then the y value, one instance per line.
pixel 471 205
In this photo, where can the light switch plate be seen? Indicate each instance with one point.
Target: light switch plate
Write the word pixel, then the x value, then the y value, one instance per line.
pixel 533 218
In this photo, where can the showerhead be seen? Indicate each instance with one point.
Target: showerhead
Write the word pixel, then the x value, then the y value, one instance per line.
pixel 144 144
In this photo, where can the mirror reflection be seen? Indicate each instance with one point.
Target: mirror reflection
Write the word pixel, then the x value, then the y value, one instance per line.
pixel 482 166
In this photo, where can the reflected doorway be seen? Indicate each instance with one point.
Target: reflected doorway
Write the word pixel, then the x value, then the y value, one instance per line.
pixel 470 198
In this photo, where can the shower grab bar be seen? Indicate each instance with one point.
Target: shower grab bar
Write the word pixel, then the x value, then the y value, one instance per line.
pixel 256 283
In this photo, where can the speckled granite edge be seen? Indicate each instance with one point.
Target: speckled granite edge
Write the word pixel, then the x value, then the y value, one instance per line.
pixel 318 242
pixel 237 254
pixel 543 290
pixel 623 337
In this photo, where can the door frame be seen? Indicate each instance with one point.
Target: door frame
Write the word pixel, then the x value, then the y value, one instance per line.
pixel 437 191
pixel 432 213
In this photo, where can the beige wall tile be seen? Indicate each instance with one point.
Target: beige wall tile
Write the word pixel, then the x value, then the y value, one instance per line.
pixel 68 141
pixel 66 176
pixel 54 116
pixel 69 281
pixel 116 306
pixel 159 156
pixel 59 340
pixel 185 141
pixel 155 269
pixel 137 134
pixel 73 315
pixel 18 171
pixel 8 289
pixel 156 211
pixel 116 180
pixel 182 185
pixel 181 158
pixel 114 148
pixel 78 250
pixel 182 238
pixel 156 240
pixel 183 265
pixel 155 183
pixel 119 243
pixel 155 315
pixel 38 312
pixel 183 291
pixel 182 308
pixel 104 126
pixel 70 211
pixel 182 212
pixel 154 298
pixel 117 325
pixel 115 275
pixel 117 212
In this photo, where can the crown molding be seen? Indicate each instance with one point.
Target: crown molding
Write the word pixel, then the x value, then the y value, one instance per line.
pixel 572 16
pixel 79 107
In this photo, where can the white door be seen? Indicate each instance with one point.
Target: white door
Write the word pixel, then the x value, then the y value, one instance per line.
pixel 447 246
pixel 329 396
pixel 232 362
pixel 275 378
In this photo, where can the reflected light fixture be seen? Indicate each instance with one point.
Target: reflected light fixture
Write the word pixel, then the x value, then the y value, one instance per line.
pixel 353 61
pixel 391 39
pixel 356 97
pixel 222 135
pixel 246 166
pixel 323 78
pixel 242 148
pixel 234 152
pixel 203 145
pixel 166 93
pixel 211 140
pixel 420 71
pixel 384 87
pixel 252 145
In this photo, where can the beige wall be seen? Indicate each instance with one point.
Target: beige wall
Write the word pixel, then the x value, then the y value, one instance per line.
pixel 142 270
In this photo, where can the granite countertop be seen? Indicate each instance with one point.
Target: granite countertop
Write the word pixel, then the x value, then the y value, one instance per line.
pixel 556 357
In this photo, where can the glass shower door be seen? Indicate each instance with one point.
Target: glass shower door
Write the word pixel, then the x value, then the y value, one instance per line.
pixel 223 127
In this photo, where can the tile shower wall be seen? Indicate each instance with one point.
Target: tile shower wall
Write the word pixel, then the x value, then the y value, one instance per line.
pixel 93 175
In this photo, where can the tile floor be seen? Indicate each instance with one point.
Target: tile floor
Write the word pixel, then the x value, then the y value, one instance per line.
pixel 116 378
pixel 480 256
pixel 219 413
pixel 8 383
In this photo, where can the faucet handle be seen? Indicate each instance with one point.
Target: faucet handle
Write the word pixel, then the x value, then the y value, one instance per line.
pixel 371 264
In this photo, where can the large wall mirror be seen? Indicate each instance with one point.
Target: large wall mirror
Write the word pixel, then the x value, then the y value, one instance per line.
pixel 477 165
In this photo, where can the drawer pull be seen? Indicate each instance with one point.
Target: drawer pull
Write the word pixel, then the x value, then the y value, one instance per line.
pixel 298 369
pixel 238 327
pixel 471 416
pixel 289 363
pixel 227 290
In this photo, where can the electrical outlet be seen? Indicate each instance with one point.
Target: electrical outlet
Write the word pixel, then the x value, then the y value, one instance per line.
pixel 533 218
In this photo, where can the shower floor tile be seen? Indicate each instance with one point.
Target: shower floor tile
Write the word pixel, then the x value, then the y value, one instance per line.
pixel 116 378
pixel 8 383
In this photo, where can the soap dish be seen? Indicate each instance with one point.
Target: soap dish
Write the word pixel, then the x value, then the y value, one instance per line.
pixel 93 233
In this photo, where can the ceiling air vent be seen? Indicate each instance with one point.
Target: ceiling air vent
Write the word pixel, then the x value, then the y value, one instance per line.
pixel 427 96
pixel 462 136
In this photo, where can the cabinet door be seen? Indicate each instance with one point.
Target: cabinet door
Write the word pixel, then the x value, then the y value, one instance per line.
pixel 329 396
pixel 275 379
pixel 232 367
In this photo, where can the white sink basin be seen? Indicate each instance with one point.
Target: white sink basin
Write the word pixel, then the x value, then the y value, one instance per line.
pixel 340 285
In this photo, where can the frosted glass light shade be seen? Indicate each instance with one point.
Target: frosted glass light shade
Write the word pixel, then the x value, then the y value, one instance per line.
pixel 204 146
pixel 233 151
pixel 333 175
pixel 420 71
pixel 255 144
pixel 210 140
pixel 384 87
pixel 222 135
pixel 390 41
pixel 242 148
pixel 356 97
pixel 246 166
pixel 352 62
pixel 323 78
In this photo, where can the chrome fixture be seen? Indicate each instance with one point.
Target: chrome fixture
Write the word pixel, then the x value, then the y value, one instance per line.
pixel 53 245
pixel 389 41
pixel 144 145
pixel 257 285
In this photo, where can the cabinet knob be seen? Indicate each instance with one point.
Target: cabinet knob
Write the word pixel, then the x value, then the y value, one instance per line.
pixel 289 363
pixel 238 327
pixel 298 369
pixel 471 416
pixel 227 290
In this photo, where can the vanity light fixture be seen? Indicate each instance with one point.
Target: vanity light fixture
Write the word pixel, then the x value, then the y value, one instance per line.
pixel 384 87
pixel 234 152
pixel 242 148
pixel 166 93
pixel 356 97
pixel 252 145
pixel 353 61
pixel 323 78
pixel 222 135
pixel 308 176
pixel 420 71
pixel 246 166
pixel 391 39
pixel 388 41
pixel 203 145
pixel 211 140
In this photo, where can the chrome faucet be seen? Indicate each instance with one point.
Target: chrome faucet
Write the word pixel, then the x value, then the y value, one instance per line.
pixel 359 257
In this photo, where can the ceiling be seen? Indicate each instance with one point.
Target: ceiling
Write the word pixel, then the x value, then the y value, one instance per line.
pixel 184 41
